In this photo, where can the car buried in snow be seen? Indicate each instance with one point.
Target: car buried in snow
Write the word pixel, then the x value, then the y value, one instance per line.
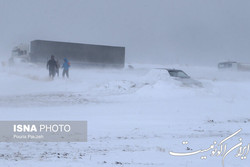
pixel 181 76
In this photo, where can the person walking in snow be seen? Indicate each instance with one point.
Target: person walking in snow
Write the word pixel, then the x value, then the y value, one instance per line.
pixel 52 66
pixel 65 67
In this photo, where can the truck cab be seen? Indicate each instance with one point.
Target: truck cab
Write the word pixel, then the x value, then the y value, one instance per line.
pixel 20 53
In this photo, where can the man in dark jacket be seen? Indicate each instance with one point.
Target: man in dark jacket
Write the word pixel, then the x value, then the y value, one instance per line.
pixel 52 66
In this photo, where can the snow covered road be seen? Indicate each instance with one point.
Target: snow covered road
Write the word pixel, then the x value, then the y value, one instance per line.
pixel 135 117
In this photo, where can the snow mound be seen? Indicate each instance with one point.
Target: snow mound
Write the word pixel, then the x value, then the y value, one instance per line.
pixel 117 87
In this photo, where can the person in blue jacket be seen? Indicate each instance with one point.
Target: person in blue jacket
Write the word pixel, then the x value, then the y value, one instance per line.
pixel 65 67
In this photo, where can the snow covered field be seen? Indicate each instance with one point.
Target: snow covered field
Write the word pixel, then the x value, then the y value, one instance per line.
pixel 135 116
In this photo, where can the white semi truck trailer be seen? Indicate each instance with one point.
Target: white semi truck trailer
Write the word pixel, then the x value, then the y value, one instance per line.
pixel 85 55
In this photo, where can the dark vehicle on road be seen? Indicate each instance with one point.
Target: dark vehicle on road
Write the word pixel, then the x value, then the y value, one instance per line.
pixel 228 65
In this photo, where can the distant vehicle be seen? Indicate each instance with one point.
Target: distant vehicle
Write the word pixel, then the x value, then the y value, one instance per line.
pixel 232 65
pixel 228 65
pixel 181 76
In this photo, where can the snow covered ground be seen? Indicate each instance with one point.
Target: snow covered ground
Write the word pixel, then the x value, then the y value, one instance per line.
pixel 135 116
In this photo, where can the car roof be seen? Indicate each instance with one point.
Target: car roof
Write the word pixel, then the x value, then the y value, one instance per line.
pixel 227 62
pixel 168 69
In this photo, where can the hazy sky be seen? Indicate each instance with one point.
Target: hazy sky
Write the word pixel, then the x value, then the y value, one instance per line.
pixel 153 31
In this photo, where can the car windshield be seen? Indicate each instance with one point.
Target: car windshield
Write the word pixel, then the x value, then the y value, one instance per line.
pixel 178 73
